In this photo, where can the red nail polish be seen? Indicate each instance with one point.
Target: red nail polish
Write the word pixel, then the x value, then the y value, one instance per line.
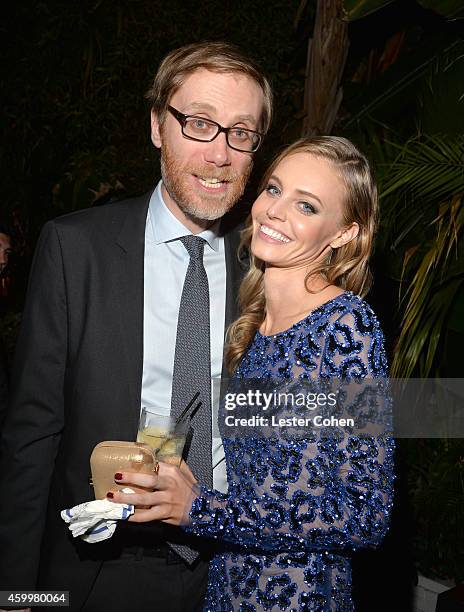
pixel 118 476
pixel 110 495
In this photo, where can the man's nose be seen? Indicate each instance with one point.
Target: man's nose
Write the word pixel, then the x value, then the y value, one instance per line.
pixel 218 151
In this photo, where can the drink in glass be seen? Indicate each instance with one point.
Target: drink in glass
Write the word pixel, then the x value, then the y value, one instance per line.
pixel 160 432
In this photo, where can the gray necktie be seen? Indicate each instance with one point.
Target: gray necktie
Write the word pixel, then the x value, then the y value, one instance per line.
pixel 192 367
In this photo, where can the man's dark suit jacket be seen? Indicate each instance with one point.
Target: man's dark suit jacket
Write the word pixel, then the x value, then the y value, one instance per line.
pixel 76 381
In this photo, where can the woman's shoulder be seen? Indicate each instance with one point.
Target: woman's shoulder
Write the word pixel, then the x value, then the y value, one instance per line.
pixel 343 322
pixel 351 303
pixel 347 307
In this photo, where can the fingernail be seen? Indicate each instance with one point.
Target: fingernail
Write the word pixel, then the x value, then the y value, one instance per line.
pixel 110 495
pixel 118 476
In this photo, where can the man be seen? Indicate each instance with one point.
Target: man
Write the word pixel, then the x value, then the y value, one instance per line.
pixel 102 336
pixel 5 249
pixel 5 252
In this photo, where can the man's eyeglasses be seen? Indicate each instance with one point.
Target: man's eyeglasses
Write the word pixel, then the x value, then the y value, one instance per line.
pixel 206 130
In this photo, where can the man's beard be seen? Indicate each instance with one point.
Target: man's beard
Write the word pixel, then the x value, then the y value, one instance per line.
pixel 194 204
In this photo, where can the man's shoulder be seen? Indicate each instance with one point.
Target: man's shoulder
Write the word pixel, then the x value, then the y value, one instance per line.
pixel 106 215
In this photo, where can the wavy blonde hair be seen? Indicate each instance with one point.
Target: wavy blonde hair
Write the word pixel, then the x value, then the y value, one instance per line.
pixel 347 267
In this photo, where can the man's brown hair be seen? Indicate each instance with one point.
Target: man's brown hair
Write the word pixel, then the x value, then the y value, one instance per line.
pixel 213 56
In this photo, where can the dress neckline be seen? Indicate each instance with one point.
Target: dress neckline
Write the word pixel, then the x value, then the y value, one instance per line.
pixel 308 316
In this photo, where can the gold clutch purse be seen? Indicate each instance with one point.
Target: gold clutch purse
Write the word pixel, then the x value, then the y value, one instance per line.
pixel 110 457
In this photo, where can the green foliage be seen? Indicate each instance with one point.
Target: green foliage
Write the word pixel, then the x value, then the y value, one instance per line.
pixel 76 74
pixel 427 170
pixel 410 120
pixel 451 9
pixel 441 101
pixel 9 329
pixel 435 284
pixel 422 189
pixel 436 484
pixel 412 94
pixel 421 180
pixel 356 9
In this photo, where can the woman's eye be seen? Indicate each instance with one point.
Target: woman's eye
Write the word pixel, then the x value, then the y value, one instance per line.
pixel 272 189
pixel 307 208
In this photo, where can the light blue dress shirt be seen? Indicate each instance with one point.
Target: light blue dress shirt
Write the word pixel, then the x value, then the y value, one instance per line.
pixel 165 266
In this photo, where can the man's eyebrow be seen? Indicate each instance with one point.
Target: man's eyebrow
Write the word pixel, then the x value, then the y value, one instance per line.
pixel 206 107
pixel 246 118
pixel 200 106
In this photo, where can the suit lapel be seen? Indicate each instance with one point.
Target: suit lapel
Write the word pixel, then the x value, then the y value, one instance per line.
pixel 131 241
pixel 130 296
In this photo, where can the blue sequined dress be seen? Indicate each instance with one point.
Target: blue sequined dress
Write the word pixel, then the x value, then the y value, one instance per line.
pixel 296 509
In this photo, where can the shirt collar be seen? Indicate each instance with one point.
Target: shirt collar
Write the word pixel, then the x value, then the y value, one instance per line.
pixel 165 227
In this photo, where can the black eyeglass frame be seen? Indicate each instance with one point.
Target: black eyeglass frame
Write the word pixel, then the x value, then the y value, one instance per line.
pixel 182 119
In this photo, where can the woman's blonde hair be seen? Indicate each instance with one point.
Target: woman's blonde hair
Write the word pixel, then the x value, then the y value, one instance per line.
pixel 348 265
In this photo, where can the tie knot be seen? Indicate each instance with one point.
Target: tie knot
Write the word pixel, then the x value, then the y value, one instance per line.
pixel 194 245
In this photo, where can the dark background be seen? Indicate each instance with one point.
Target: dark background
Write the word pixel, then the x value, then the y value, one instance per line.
pixel 75 129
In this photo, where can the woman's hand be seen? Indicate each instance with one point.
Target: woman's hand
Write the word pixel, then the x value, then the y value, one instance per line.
pixel 171 500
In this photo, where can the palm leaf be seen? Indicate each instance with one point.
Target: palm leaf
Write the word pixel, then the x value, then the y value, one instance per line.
pixel 427 170
pixel 355 9
pixel 431 166
pixel 424 71
pixel 452 9
pixel 431 294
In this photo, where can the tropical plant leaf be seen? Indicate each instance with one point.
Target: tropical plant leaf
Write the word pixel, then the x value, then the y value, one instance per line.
pixel 427 170
pixel 436 483
pixel 452 9
pixel 355 9
pixel 431 294
pixel 429 80
pixel 431 166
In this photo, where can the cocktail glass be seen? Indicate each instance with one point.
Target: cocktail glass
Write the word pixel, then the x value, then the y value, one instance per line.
pixel 165 437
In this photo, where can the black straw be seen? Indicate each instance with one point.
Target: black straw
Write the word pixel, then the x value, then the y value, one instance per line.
pixel 182 415
pixel 194 411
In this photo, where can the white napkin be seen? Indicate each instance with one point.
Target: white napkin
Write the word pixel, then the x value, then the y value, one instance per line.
pixel 95 521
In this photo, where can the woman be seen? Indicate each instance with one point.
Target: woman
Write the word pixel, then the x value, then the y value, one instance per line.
pixel 296 507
